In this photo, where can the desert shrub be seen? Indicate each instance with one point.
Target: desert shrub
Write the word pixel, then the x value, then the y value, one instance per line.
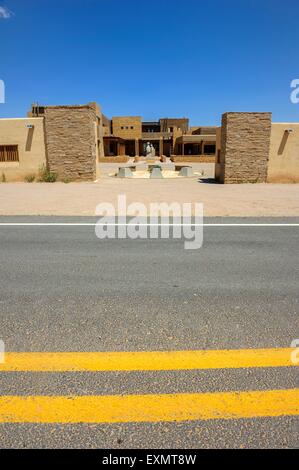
pixel 46 176
pixel 3 179
pixel 29 178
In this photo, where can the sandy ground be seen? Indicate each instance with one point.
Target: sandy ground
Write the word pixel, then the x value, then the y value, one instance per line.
pixel 82 198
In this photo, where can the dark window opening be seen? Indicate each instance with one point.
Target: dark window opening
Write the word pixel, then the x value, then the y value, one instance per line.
pixel 9 153
pixel 209 149
pixel 130 148
pixel 151 127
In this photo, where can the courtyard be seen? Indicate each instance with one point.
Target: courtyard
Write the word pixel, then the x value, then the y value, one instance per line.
pixel 81 199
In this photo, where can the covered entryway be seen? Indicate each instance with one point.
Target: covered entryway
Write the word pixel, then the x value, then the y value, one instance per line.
pixel 114 146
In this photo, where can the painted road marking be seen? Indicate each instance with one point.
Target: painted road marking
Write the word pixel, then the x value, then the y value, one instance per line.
pixel 142 361
pixel 87 224
pixel 148 408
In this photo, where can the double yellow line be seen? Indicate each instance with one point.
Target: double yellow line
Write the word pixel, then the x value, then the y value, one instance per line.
pixel 147 408
pixel 142 361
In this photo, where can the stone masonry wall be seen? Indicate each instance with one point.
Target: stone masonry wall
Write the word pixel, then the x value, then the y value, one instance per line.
pixel 70 135
pixel 245 144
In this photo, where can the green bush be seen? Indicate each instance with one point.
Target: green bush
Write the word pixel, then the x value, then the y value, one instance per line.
pixel 29 178
pixel 46 176
pixel 3 178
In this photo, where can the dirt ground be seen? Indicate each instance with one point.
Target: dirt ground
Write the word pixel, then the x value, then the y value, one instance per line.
pixel 82 198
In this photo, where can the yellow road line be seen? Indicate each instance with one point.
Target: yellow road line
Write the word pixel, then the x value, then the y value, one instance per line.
pixel 148 408
pixel 151 360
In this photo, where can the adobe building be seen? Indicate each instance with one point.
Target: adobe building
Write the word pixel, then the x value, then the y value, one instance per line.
pixel 127 136
pixel 66 139
pixel 72 140
pixel 22 148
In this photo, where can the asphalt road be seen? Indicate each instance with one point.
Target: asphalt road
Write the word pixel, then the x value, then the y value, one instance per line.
pixel 62 289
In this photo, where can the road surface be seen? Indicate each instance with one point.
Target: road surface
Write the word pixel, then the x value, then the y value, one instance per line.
pixel 63 290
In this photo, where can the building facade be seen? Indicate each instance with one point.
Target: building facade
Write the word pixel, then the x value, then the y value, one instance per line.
pixel 72 140
pixel 171 137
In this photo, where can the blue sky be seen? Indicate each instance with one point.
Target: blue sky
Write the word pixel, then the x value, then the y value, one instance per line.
pixel 153 58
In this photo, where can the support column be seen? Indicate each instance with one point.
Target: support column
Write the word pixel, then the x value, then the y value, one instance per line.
pixel 136 147
pixel 161 147
pixel 183 148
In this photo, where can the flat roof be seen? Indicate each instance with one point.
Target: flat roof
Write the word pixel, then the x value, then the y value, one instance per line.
pixel 20 119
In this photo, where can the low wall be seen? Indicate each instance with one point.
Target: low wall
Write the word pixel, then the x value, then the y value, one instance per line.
pixel 283 165
pixel 119 159
pixel 194 158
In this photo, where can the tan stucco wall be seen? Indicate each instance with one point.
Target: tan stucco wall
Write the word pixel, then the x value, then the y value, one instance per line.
pixel 284 153
pixel 218 144
pixel 218 166
pixel 176 134
pixel 31 147
pixel 127 121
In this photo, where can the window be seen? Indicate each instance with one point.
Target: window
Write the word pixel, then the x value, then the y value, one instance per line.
pixel 122 127
pixel 132 127
pixel 9 153
pixel 209 149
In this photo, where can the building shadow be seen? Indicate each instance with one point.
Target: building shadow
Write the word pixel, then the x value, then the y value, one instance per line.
pixel 283 142
pixel 207 180
pixel 29 139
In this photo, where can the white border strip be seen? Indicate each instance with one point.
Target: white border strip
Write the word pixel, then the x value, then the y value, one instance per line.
pixel 70 224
